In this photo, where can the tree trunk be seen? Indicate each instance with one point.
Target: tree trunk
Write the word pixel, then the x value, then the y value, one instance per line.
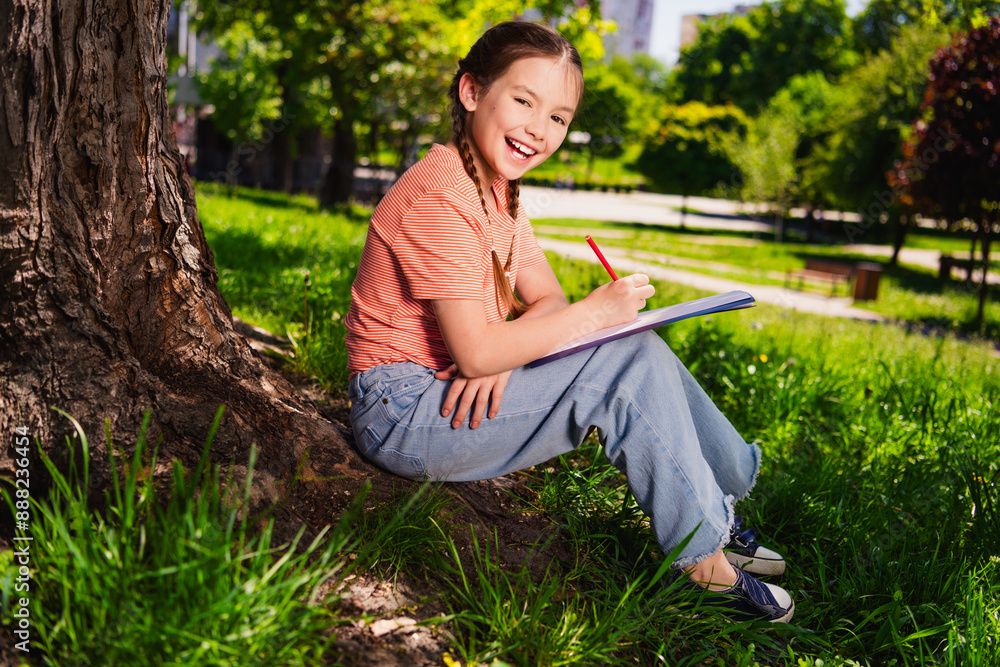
pixel 338 184
pixel 987 226
pixel 898 238
pixel 108 300
pixel 281 153
pixel 972 261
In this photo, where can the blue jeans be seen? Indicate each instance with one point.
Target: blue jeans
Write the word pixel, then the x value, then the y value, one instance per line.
pixel 684 462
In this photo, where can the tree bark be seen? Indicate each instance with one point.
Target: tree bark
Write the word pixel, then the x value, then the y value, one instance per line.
pixel 900 227
pixel 987 227
pixel 108 300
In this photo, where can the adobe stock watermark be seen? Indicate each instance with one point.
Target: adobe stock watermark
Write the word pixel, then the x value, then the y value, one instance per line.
pixel 877 210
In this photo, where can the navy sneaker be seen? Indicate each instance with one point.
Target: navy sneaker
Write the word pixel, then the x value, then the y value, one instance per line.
pixel 745 553
pixel 750 600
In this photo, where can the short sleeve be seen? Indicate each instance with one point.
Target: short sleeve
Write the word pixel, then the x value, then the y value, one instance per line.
pixel 439 249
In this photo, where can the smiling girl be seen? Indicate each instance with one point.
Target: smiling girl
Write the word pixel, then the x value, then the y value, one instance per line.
pixel 430 343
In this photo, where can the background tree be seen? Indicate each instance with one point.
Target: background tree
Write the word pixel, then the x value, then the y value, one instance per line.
pixel 109 297
pixel 244 90
pixel 881 21
pixel 951 163
pixel 292 62
pixel 765 158
pixel 339 52
pixel 686 153
pixel 877 102
pixel 744 60
pixel 604 114
pixel 807 99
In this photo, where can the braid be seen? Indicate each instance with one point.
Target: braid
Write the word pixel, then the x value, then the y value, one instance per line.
pixel 470 167
pixel 513 197
pixel 505 295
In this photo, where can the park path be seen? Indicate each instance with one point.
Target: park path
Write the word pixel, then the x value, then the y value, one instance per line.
pixel 786 298
pixel 714 214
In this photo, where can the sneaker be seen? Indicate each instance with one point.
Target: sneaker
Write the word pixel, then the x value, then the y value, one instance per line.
pixel 745 553
pixel 750 600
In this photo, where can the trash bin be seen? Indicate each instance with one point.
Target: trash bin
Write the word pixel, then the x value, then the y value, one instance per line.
pixel 866 275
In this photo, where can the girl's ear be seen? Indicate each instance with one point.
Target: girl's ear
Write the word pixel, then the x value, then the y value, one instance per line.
pixel 468 90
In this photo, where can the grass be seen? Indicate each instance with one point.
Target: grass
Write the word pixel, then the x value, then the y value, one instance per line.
pixel 188 582
pixel 907 293
pixel 881 487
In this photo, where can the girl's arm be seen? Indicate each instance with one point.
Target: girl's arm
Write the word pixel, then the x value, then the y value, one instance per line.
pixel 540 289
pixel 481 348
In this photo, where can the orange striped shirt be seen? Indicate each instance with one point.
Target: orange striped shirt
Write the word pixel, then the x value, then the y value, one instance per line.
pixel 430 239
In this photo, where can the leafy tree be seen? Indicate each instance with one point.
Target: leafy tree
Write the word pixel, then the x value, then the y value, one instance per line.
pixel 881 20
pixel 647 79
pixel 744 60
pixel 876 104
pixel 765 158
pixel 291 61
pixel 339 53
pixel 605 114
pixel 951 163
pixel 244 90
pixel 687 153
pixel 807 100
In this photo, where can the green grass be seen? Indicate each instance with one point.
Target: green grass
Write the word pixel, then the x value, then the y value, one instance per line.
pixel 287 266
pixel 878 448
pixel 880 486
pixel 186 582
pixel 907 293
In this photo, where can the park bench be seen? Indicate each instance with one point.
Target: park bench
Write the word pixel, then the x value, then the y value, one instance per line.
pixel 947 263
pixel 822 270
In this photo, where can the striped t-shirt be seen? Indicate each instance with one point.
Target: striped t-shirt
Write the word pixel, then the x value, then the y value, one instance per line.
pixel 430 239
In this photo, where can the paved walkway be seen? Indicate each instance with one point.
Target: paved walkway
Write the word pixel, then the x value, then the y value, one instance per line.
pixel 780 296
pixel 638 207
pixel 714 214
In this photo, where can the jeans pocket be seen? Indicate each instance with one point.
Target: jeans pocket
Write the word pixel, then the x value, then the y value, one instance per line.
pixel 395 461
pixel 381 397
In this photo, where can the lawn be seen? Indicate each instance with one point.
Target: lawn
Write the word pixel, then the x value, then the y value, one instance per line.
pixel 880 487
pixel 908 293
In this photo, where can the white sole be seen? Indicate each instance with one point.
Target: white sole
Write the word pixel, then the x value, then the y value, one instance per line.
pixel 761 566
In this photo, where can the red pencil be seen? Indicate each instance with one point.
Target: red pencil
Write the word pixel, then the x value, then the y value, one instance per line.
pixel 601 257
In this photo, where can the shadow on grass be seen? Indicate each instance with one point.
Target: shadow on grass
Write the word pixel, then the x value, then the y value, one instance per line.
pixel 271 274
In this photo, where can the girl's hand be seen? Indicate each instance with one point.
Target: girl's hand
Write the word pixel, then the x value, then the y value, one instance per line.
pixel 620 300
pixel 481 390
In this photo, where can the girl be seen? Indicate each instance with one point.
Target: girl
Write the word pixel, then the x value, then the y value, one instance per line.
pixel 429 342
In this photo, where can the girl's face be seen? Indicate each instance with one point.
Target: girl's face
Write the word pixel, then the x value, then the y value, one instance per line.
pixel 523 117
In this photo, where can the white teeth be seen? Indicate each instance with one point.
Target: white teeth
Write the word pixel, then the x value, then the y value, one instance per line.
pixel 521 147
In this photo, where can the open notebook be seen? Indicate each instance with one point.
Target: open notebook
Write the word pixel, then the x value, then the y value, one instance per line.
pixel 651 319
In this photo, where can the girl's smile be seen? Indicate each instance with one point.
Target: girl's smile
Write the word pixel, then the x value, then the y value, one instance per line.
pixel 522 118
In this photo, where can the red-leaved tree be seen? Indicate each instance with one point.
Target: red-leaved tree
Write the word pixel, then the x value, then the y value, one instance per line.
pixel 951 163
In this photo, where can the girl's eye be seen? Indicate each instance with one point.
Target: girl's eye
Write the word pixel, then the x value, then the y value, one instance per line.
pixel 521 100
pixel 559 120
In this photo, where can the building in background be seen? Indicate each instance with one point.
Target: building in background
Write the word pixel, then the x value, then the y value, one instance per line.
pixel 634 19
pixel 691 23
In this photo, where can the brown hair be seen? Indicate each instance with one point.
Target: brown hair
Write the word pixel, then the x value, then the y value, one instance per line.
pixel 495 51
